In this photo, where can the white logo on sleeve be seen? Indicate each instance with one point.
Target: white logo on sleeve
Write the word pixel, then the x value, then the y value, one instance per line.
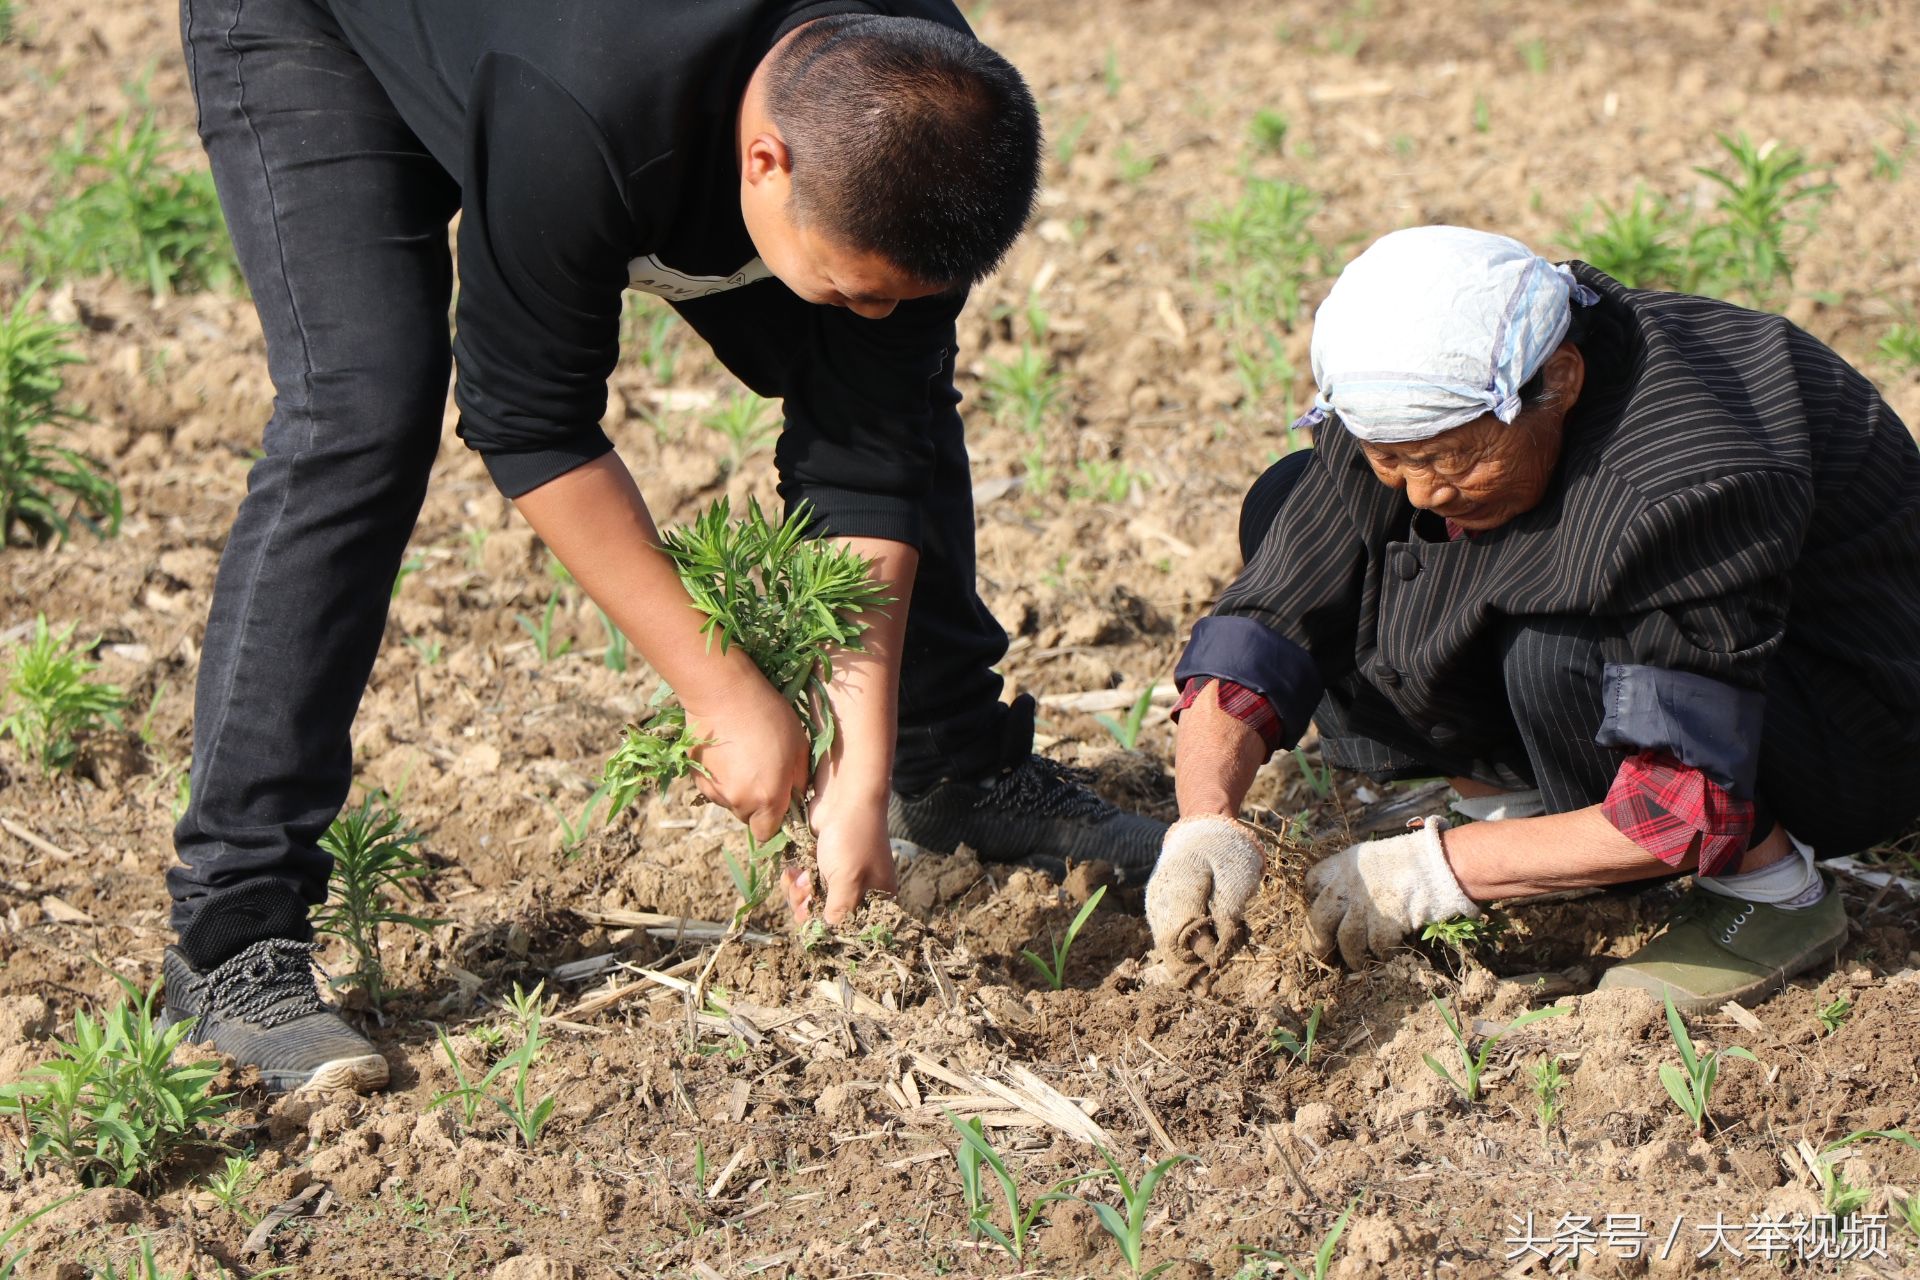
pixel 650 275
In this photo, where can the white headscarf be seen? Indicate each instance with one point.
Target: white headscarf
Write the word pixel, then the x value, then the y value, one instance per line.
pixel 1433 326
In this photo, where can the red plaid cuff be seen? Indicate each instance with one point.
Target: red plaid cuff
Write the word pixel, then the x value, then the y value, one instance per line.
pixel 1243 704
pixel 1674 811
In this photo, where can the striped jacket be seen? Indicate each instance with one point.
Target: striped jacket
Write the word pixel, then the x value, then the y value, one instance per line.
pixel 1730 494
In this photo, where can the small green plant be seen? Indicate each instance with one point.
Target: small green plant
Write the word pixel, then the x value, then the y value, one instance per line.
pixel 111 1106
pixel 741 419
pixel 574 832
pixel 1642 245
pixel 1024 391
pixel 544 642
pixel 1103 480
pixel 975 1153
pixel 1126 730
pixel 231 1184
pixel 6 37
pixel 1833 1015
pixel 1464 933
pixel 38 477
pixel 754 878
pixel 1472 1065
pixel 1263 254
pixel 1900 348
pixel 617 648
pixel 527 1115
pixel 1692 1088
pixel 141 1266
pixel 430 650
pixel 1259 1261
pixel 1055 972
pixel 1130 167
pixel 374 856
pixel 54 700
pixel 1319 780
pixel 1066 139
pixel 791 602
pixel 1547 1081
pixel 1533 53
pixel 652 329
pixel 1128 1229
pixel 1298 1047
pixel 121 209
pixel 1268 132
pixel 409 567
pixel 1482 113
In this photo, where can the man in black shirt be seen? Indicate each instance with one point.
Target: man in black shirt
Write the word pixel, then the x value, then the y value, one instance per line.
pixel 814 186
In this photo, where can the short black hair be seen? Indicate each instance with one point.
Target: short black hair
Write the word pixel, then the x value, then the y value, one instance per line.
pixel 908 139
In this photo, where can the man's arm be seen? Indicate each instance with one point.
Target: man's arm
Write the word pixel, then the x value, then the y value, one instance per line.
pixel 595 521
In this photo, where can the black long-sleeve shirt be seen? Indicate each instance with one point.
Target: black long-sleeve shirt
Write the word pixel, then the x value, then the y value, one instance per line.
pixel 593 141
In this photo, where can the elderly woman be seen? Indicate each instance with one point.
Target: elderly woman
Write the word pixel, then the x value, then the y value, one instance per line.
pixel 1639 571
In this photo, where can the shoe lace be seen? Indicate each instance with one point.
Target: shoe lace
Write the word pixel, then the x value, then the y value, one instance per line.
pixel 268 984
pixel 1043 788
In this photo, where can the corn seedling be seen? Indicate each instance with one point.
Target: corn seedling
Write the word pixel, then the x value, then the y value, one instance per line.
pixel 617 648
pixel 470 1094
pixel 1066 139
pixel 1323 1256
pixel 1472 1065
pixel 111 1106
pixel 121 209
pixel 140 1266
pixel 1056 972
pixel 231 1184
pixel 741 421
pixel 44 486
pixel 1533 53
pixel 574 832
pixel 528 1116
pixel 53 699
pixel 976 1155
pixel 9 1263
pixel 1547 1081
pixel 1692 1088
pixel 542 631
pixel 1319 780
pixel 1298 1047
pixel 1900 348
pixel 1126 730
pixel 429 651
pixel 410 566
pixel 1128 1229
pixel 1833 1015
pixel 374 856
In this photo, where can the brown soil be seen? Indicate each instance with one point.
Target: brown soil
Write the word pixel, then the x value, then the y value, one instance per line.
pixel 817 1113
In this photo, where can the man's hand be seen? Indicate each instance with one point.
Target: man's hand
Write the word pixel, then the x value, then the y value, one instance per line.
pixel 1367 897
pixel 855 856
pixel 1197 896
pixel 754 750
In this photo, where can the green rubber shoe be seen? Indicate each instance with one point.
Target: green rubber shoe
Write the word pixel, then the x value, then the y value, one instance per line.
pixel 1717 949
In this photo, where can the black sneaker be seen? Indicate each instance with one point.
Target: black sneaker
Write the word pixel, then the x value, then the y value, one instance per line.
pixel 1039 814
pixel 263 1007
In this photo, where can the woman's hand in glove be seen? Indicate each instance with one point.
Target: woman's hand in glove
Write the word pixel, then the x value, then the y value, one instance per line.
pixel 1197 896
pixel 1369 896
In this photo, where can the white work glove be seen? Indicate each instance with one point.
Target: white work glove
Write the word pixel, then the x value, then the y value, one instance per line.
pixel 1367 897
pixel 1197 896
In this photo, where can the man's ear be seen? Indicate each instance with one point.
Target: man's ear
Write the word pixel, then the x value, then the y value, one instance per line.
pixel 766 156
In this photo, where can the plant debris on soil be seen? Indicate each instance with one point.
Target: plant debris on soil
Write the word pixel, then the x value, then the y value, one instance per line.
pixel 796 1123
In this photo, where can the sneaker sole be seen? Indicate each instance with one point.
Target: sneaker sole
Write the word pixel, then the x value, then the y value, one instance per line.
pixel 363 1074
pixel 1623 977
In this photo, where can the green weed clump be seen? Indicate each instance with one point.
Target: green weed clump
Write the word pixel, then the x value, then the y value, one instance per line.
pixel 527 1115
pixel 54 700
pixel 1766 206
pixel 374 856
pixel 789 601
pixel 122 209
pixel 38 477
pixel 1900 348
pixel 112 1107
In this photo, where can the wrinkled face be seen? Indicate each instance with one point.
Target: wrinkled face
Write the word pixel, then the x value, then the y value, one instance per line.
pixel 816 267
pixel 1480 474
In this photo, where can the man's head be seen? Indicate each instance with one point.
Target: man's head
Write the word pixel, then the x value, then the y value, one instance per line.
pixel 1446 353
pixel 883 159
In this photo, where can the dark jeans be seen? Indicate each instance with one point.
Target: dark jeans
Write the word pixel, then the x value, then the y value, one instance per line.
pixel 339 216
pixel 1837 786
